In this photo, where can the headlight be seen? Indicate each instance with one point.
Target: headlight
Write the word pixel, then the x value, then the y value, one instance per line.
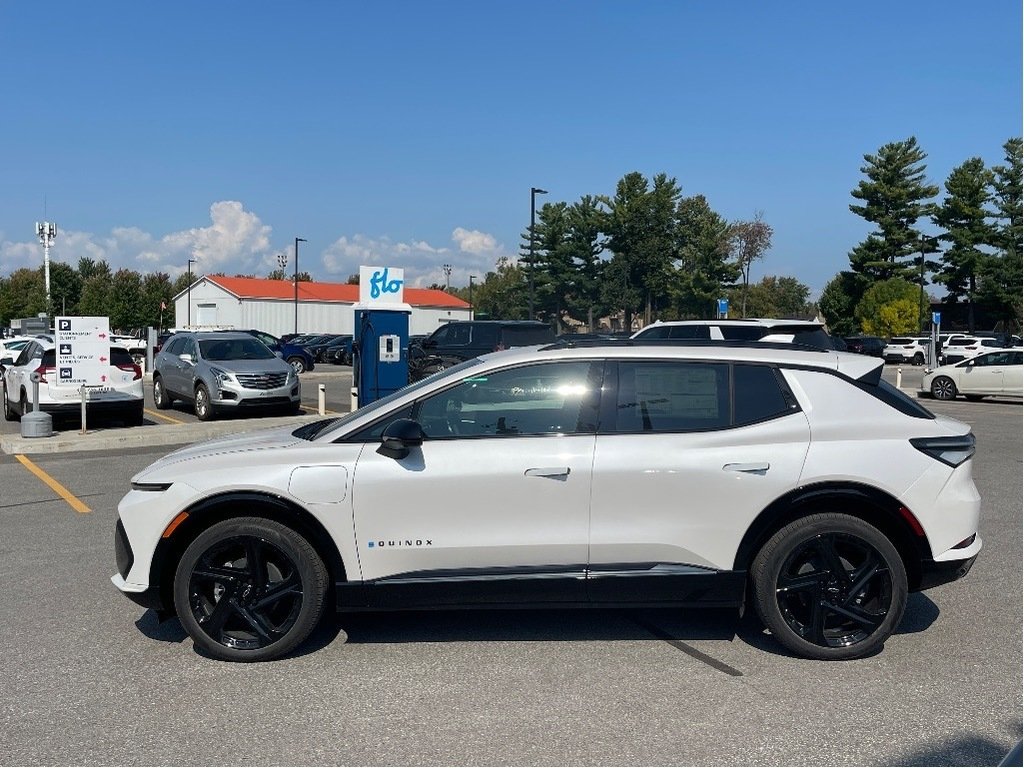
pixel 221 374
pixel 292 376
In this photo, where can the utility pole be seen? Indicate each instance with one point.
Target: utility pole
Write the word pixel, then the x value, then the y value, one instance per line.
pixel 47 232
pixel 447 269
pixel 297 241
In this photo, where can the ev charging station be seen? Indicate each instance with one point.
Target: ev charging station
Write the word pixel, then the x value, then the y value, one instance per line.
pixel 380 359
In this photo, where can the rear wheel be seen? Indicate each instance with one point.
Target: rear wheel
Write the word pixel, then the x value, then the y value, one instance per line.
pixel 297 363
pixel 830 586
pixel 249 589
pixel 9 413
pixel 943 388
pixel 919 358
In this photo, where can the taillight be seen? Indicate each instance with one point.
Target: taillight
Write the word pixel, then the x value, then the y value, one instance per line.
pixel 953 451
pixel 42 370
pixel 134 368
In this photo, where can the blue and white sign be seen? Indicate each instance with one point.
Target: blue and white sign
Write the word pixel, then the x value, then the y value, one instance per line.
pixel 381 286
pixel 723 307
pixel 936 318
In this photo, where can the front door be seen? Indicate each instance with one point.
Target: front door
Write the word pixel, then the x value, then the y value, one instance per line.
pixel 494 506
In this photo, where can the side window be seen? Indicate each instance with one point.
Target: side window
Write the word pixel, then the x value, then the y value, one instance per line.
pixel 757 395
pixel 458 335
pixel 743 332
pixel 442 335
pixel 541 399
pixel 657 332
pixel 689 332
pixel 373 433
pixel 188 347
pixel 26 354
pixel 1017 358
pixel 175 345
pixel 672 397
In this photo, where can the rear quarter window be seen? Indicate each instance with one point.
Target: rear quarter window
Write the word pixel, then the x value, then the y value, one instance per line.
pixel 757 394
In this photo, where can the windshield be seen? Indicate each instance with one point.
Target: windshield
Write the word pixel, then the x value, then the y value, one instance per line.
pixel 385 402
pixel 234 349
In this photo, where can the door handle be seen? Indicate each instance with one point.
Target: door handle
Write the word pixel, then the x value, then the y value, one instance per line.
pixel 556 473
pixel 753 468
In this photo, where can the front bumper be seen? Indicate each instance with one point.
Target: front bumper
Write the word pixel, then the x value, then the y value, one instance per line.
pixel 233 396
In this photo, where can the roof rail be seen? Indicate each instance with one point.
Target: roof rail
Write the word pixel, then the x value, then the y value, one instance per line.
pixel 565 343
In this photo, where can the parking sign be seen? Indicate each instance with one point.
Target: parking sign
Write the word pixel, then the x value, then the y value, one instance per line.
pixel 83 351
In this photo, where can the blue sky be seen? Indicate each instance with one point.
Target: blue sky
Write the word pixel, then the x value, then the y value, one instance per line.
pixel 410 133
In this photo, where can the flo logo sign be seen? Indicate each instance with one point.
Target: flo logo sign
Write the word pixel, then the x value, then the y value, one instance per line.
pixel 381 285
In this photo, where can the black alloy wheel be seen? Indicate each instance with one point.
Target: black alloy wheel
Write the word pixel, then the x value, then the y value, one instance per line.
pixel 249 589
pixel 943 388
pixel 830 586
pixel 919 359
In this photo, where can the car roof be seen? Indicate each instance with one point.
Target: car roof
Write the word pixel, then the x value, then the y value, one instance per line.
pixel 767 322
pixel 785 354
pixel 220 334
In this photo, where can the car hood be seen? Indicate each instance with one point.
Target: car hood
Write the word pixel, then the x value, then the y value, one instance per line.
pixel 278 437
pixel 273 365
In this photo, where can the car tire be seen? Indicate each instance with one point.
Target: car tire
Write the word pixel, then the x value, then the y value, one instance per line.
pixel 9 413
pixel 829 586
pixel 298 364
pixel 203 406
pixel 161 397
pixel 918 358
pixel 23 403
pixel 943 388
pixel 249 589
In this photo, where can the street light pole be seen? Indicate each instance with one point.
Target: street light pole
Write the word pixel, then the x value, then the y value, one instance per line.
pixel 188 322
pixel 534 191
pixel 297 241
pixel 471 279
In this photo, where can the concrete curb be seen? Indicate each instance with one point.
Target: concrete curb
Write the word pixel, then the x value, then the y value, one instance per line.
pixel 137 437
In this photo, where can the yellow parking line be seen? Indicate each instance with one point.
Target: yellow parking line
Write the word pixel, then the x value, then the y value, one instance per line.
pixel 56 487
pixel 157 415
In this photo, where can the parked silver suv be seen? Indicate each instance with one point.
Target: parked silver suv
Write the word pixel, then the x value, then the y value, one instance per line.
pixel 223 371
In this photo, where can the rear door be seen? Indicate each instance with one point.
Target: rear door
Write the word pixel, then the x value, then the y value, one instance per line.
pixel 687 455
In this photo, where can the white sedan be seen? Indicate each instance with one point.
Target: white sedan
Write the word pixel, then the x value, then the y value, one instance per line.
pixel 991 373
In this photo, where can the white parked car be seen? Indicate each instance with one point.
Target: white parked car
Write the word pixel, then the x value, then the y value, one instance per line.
pixel 907 349
pixel 960 347
pixel 12 346
pixel 998 372
pixel 119 396
pixel 796 480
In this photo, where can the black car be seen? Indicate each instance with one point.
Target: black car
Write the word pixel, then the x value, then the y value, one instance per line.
pixel 865 345
pixel 339 352
pixel 462 340
pixel 318 347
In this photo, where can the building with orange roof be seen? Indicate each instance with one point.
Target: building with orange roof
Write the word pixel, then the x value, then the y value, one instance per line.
pixel 269 305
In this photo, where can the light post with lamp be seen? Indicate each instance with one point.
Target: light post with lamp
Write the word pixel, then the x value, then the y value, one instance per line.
pixel 297 241
pixel 534 191
pixel 188 314
pixel 471 279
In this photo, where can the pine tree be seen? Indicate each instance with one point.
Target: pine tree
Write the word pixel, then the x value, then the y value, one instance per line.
pixel 704 269
pixel 1000 283
pixel 962 216
pixel 895 196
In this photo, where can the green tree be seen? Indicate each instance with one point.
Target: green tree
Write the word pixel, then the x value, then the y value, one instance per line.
pixel 95 300
pixel 704 271
pixel 125 300
pixel 895 196
pixel 156 290
pixel 65 288
pixel 963 217
pixel 775 297
pixel 553 263
pixel 749 241
pixel 586 244
pixel 23 294
pixel 503 293
pixel 641 229
pixel 181 283
pixel 883 309
pixel 1000 285
pixel 839 300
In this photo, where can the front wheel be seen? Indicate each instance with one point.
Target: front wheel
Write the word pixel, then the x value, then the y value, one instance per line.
pixel 204 409
pixel 943 388
pixel 249 589
pixel 830 586
pixel 297 363
pixel 161 398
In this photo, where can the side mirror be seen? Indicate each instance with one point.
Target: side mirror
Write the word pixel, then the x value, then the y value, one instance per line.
pixel 279 353
pixel 7 361
pixel 186 358
pixel 399 436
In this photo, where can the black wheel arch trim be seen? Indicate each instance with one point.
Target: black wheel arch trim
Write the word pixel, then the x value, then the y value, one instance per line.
pixel 223 506
pixel 865 502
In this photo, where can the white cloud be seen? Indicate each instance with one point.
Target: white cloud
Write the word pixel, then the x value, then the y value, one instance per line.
pixel 237 241
pixel 475 242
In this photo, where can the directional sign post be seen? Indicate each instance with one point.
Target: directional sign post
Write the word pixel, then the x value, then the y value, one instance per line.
pixel 83 354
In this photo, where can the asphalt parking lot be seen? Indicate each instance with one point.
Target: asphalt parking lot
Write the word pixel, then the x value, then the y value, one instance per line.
pixel 89 678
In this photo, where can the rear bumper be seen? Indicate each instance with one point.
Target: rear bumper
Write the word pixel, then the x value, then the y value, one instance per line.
pixel 935 573
pixel 93 406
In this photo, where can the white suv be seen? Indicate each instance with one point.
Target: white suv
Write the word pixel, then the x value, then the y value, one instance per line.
pixel 806 332
pixel 570 475
pixel 907 349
